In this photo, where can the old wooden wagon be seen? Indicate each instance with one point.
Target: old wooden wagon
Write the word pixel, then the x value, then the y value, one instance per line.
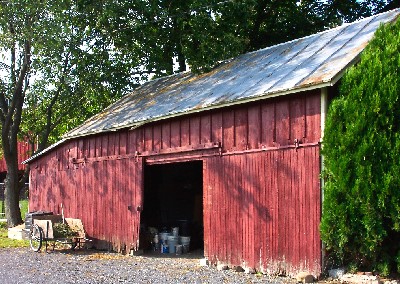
pixel 52 229
pixel 231 156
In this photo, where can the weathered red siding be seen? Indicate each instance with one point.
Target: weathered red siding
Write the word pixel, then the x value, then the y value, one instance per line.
pixel 262 210
pixel 261 191
pixel 104 193
pixel 24 153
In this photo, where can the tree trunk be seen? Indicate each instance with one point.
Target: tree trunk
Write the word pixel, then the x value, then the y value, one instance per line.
pixel 11 107
pixel 12 193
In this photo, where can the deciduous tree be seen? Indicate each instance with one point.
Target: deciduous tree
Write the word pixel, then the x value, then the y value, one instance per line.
pixel 170 35
pixel 58 68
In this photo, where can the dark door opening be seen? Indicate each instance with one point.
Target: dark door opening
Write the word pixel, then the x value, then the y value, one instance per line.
pixel 173 197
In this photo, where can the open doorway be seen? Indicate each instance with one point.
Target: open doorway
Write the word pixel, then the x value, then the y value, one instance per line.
pixel 173 197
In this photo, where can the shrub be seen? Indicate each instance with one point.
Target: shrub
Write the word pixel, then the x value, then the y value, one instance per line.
pixel 361 210
pixel 61 230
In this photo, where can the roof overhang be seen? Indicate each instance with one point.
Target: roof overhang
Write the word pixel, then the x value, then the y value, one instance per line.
pixel 136 125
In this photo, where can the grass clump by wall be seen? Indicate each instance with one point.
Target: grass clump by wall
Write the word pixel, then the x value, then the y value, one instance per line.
pixel 361 211
pixel 5 242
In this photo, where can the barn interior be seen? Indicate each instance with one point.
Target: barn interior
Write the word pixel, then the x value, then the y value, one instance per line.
pixel 173 197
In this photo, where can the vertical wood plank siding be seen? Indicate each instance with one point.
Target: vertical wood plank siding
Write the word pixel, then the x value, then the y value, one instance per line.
pixel 105 194
pixel 24 151
pixel 263 210
pixel 261 194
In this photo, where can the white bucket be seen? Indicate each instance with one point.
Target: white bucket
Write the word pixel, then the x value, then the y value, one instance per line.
pixel 164 237
pixel 172 242
pixel 185 242
pixel 179 249
pixel 175 231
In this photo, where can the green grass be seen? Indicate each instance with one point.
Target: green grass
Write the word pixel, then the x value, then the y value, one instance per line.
pixel 23 205
pixel 5 242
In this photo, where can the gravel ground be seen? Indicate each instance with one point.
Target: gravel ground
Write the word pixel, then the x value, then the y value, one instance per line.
pixel 88 266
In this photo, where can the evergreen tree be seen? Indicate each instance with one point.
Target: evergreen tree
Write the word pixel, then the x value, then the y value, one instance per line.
pixel 361 208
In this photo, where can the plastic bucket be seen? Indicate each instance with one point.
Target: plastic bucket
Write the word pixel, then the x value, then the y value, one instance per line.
pixel 185 242
pixel 164 237
pixel 179 249
pixel 175 231
pixel 185 248
pixel 164 248
pixel 172 242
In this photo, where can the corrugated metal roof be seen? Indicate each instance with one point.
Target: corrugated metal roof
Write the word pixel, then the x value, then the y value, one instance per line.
pixel 310 62
pixel 287 67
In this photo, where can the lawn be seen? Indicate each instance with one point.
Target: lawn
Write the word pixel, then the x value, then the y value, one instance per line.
pixel 23 205
pixel 5 242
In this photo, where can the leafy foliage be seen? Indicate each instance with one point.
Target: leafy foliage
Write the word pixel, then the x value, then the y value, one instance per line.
pixel 58 69
pixel 86 54
pixel 167 35
pixel 63 230
pixel 361 210
pixel 77 71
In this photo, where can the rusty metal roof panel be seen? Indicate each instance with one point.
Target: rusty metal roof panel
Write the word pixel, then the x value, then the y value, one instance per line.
pixel 315 60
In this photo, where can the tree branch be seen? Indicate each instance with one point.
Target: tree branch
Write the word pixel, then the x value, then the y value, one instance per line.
pixel 49 110
pixel 3 104
pixel 18 96
pixel 145 72
pixel 13 60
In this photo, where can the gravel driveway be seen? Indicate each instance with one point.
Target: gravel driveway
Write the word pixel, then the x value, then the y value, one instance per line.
pixel 87 266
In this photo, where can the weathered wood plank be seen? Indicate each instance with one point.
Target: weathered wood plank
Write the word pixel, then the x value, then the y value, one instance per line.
pixel 185 132
pixel 240 129
pixel 205 129
pixel 216 127
pixel 148 139
pixel 104 145
pixel 268 124
pixel 254 127
pixel 123 143
pixel 194 130
pixel 228 124
pixel 175 133
pixel 282 122
pixel 297 119
pixel 313 118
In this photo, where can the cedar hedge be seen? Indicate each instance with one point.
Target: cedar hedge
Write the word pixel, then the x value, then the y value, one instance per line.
pixel 360 223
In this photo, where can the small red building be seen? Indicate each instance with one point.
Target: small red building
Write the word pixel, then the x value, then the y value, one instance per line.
pixel 24 150
pixel 231 156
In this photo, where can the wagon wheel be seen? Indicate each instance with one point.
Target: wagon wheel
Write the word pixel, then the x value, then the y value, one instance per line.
pixel 36 238
pixel 73 244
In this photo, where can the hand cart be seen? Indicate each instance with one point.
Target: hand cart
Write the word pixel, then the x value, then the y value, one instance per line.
pixel 42 231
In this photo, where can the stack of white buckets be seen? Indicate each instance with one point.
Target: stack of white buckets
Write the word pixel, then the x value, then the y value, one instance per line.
pixel 172 242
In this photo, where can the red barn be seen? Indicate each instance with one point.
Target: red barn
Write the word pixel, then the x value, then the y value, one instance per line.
pixel 24 150
pixel 232 156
